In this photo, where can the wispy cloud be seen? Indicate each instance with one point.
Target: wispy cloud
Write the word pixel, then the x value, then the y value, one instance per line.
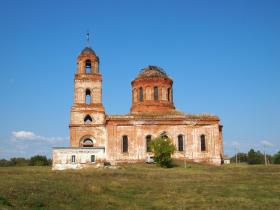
pixel 266 143
pixel 29 135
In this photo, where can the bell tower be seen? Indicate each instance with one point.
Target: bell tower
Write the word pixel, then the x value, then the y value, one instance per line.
pixel 87 121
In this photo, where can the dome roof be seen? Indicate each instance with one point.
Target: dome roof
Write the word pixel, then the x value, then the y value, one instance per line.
pixel 88 50
pixel 152 71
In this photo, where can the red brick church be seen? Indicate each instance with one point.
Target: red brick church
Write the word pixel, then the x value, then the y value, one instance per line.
pixel 96 137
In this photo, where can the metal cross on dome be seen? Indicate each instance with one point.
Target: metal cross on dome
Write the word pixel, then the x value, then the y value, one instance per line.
pixel 88 40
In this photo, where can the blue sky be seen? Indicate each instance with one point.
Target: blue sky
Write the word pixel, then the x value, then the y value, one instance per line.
pixel 222 55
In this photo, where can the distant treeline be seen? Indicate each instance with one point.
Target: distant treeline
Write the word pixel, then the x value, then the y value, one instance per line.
pixel 36 160
pixel 255 157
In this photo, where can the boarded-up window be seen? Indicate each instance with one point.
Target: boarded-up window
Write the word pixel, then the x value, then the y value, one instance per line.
pixel 163 94
pixel 148 93
pixel 156 93
pixel 148 143
pixel 180 143
pixel 202 143
pixel 124 144
pixel 141 94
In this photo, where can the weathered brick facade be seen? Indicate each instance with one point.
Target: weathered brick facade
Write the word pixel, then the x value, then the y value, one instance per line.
pixel 123 138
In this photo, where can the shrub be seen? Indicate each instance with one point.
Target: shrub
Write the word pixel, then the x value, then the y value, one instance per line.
pixel 163 149
pixel 39 160
pixel 4 163
pixel 276 158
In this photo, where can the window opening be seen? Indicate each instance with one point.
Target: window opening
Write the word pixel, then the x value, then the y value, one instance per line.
pixel 125 144
pixel 156 93
pixel 180 143
pixel 148 143
pixel 88 96
pixel 203 143
pixel 141 94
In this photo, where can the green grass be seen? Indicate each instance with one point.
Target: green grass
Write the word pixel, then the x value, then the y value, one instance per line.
pixel 141 186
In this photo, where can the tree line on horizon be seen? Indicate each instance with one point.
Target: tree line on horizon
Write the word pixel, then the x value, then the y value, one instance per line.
pixel 252 157
pixel 37 160
pixel 255 157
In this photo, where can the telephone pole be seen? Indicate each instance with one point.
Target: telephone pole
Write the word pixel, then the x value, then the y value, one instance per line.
pixel 265 159
pixel 236 152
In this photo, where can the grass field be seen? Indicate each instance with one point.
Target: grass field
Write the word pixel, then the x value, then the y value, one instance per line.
pixel 142 187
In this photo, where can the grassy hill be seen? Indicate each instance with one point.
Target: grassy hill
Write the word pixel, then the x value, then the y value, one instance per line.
pixel 142 186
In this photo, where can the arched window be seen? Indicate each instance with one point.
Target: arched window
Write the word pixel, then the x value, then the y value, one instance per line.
pixel 141 94
pixel 88 119
pixel 87 143
pixel 88 66
pixel 168 94
pixel 180 143
pixel 202 143
pixel 148 143
pixel 156 93
pixel 124 144
pixel 88 96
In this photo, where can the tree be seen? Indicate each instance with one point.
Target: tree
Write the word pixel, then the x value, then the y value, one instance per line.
pixel 241 158
pixel 18 161
pixel 276 158
pixel 255 157
pixel 163 149
pixel 39 160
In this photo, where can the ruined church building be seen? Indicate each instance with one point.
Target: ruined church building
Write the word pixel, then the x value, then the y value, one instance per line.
pixel 96 137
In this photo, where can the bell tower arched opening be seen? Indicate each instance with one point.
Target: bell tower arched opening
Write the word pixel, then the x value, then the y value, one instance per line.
pixel 88 96
pixel 88 66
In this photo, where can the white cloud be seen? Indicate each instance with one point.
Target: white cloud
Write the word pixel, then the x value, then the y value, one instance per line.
pixel 266 143
pixel 23 135
pixel 29 135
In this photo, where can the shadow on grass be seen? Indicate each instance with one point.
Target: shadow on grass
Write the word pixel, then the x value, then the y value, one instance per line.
pixel 4 201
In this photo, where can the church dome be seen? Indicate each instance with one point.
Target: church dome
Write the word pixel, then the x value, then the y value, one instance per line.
pixel 87 50
pixel 151 72
pixel 152 91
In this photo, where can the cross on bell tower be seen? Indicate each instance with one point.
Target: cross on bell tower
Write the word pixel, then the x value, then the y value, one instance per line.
pixel 87 39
